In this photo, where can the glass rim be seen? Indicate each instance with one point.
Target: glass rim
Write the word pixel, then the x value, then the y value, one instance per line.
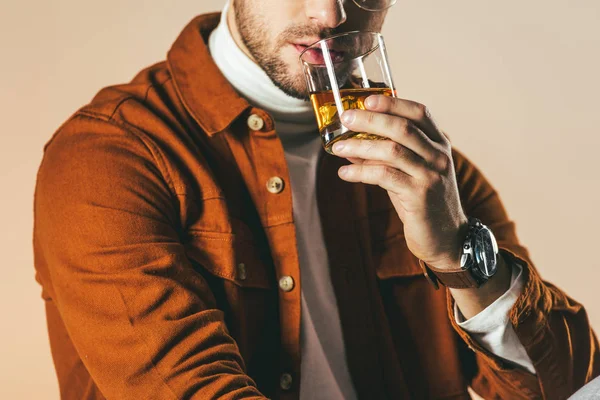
pixel 392 3
pixel 337 35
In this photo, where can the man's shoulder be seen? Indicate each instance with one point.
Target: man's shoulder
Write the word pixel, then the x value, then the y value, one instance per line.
pixel 143 121
pixel 111 100
pixel 142 107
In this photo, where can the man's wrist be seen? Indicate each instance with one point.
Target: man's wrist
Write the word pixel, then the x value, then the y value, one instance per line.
pixel 452 262
pixel 471 301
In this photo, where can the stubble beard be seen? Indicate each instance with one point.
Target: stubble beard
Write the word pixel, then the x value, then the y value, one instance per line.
pixel 267 58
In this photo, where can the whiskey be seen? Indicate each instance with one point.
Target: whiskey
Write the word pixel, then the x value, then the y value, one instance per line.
pixel 328 120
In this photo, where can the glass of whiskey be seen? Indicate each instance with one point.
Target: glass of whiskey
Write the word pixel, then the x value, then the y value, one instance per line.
pixel 341 71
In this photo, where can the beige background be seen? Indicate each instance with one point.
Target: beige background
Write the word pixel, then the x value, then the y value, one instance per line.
pixel 515 83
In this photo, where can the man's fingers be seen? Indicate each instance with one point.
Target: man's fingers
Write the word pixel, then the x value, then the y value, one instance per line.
pixel 356 160
pixel 386 152
pixel 416 112
pixel 387 177
pixel 398 129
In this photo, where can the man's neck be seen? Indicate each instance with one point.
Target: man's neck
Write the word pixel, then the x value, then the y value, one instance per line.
pixel 250 80
pixel 234 31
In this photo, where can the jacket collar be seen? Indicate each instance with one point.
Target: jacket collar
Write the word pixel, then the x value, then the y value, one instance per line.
pixel 207 95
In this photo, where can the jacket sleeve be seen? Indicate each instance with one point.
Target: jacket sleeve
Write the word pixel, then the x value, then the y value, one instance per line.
pixel 143 321
pixel 553 328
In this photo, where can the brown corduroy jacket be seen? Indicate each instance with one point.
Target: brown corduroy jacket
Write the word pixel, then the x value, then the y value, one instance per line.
pixel 158 247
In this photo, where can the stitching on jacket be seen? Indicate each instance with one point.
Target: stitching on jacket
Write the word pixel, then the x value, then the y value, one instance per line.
pixel 131 130
pixel 205 235
pixel 126 211
pixel 124 100
pixel 209 197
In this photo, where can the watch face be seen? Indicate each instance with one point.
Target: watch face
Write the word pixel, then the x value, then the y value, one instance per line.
pixel 485 250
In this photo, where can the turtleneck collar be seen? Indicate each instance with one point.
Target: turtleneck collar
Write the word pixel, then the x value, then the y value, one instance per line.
pixel 291 115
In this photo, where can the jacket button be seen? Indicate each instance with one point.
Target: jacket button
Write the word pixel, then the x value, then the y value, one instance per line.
pixel 255 122
pixel 286 283
pixel 285 381
pixel 275 185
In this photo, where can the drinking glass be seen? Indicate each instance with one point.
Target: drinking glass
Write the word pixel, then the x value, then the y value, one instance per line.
pixel 341 72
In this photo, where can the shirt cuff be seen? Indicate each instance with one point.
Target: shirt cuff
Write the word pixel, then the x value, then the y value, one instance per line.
pixel 492 328
pixel 496 314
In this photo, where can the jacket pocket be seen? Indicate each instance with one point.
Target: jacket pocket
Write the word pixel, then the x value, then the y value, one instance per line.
pixel 231 257
pixel 384 225
pixel 393 259
pixel 241 277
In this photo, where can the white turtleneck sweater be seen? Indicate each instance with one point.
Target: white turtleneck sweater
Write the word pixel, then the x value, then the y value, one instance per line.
pixel 324 372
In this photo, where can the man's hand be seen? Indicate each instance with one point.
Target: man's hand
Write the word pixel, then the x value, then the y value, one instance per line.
pixel 415 166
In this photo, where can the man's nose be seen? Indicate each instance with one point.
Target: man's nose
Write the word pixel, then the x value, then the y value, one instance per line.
pixel 327 13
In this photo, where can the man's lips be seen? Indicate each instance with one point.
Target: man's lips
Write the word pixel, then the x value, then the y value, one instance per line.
pixel 299 47
pixel 314 55
pixel 308 41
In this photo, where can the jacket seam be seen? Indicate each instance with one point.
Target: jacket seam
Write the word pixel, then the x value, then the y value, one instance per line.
pixel 129 97
pixel 128 129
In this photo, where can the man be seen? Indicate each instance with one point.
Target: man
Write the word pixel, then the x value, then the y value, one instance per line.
pixel 193 239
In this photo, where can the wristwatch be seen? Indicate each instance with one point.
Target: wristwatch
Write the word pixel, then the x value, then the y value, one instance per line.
pixel 478 262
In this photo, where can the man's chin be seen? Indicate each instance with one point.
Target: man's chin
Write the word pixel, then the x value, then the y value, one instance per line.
pixel 286 73
pixel 295 93
pixel 289 76
pixel 292 88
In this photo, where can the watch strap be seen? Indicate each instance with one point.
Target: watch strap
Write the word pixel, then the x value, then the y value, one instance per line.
pixel 453 278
